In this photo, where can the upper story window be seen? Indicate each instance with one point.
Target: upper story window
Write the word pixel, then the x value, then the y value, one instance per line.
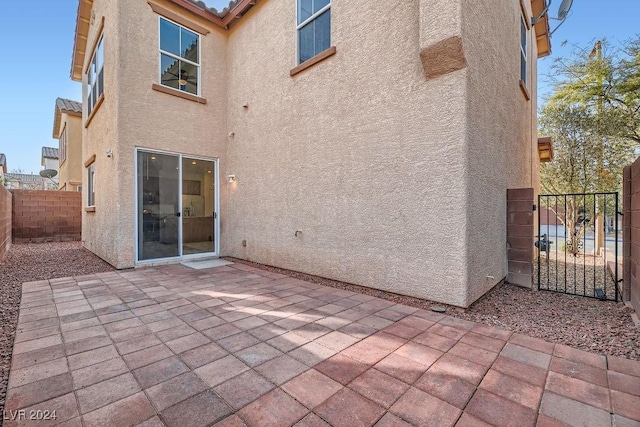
pixel 62 148
pixel 179 57
pixel 524 36
pixel 314 28
pixel 95 77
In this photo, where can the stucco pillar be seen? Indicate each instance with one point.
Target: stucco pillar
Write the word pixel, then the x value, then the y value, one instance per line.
pixel 520 232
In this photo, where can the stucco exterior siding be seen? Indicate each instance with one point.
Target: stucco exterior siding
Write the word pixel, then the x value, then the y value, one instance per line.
pixel 155 120
pixel 501 139
pixel 134 115
pixel 361 154
pixel 373 167
pixel 71 169
pixel 101 229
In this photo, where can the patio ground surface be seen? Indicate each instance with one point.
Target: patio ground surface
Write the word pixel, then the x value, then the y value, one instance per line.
pixel 242 346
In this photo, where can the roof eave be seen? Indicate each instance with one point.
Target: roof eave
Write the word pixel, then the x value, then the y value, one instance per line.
pixel 56 122
pixel 83 22
pixel 541 27
pixel 223 21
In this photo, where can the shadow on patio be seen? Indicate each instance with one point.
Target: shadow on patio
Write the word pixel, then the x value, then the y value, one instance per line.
pixel 235 344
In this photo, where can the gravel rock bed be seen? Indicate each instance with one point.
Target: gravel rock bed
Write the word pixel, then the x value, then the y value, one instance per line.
pixel 580 275
pixel 30 262
pixel 603 327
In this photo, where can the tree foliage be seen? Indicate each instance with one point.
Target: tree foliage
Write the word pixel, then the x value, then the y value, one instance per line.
pixel 593 117
pixel 605 80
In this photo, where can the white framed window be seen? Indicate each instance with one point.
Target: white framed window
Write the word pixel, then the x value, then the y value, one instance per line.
pixel 314 28
pixel 524 46
pixel 91 185
pixel 179 57
pixel 95 77
pixel 62 145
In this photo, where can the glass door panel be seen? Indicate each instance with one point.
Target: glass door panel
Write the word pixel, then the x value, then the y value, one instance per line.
pixel 158 206
pixel 198 206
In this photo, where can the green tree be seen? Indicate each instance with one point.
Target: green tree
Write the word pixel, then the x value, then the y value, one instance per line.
pixel 593 117
pixel 606 80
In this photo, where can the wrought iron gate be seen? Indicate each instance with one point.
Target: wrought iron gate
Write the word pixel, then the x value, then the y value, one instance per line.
pixel 570 258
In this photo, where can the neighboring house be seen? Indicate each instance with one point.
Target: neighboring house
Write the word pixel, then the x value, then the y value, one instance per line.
pixel 49 161
pixel 327 138
pixel 3 167
pixel 67 129
pixel 23 181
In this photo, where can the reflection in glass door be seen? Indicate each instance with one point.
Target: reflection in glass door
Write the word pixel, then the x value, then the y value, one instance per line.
pixel 158 206
pixel 198 206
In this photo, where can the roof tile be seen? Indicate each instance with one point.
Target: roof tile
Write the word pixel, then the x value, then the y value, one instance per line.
pixel 69 106
pixel 24 177
pixel 49 153
pixel 222 13
pixel 64 106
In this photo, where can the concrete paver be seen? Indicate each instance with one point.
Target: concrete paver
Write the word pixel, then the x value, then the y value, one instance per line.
pixel 236 345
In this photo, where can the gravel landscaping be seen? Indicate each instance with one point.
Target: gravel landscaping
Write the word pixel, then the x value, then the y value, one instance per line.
pixel 589 324
pixel 30 262
pixel 580 275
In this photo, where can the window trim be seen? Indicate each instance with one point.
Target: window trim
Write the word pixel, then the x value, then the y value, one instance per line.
pixel 197 65
pixel 91 190
pixel 524 54
pixel 178 93
pixel 303 24
pixel 62 145
pixel 160 10
pixel 313 61
pixel 93 112
pixel 99 96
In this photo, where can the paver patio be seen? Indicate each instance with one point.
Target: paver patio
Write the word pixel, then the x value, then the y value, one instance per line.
pixel 236 345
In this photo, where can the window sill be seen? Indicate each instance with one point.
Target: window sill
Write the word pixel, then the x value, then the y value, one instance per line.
pixel 313 61
pixel 525 91
pixel 95 110
pixel 178 93
pixel 90 209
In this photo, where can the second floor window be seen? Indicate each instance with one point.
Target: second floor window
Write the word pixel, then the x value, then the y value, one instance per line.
pixel 179 57
pixel 524 35
pixel 62 149
pixel 314 28
pixel 95 77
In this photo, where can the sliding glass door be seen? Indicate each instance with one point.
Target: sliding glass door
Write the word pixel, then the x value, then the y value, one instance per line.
pixel 158 206
pixel 176 206
pixel 198 206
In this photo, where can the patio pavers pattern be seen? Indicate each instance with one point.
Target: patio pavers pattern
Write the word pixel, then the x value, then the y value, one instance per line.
pixel 236 345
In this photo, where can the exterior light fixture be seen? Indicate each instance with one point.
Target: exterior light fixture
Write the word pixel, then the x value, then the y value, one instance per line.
pixel 153 157
pixel 232 178
pixel 194 162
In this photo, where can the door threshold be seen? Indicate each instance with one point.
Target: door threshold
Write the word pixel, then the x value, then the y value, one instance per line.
pixel 205 263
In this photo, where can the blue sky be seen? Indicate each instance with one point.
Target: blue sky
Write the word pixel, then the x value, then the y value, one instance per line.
pixel 588 21
pixel 35 64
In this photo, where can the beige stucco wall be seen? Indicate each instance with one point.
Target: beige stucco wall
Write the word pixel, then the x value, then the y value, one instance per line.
pixel 100 228
pixel 501 136
pixel 361 153
pixel 133 115
pixel 394 179
pixel 71 169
